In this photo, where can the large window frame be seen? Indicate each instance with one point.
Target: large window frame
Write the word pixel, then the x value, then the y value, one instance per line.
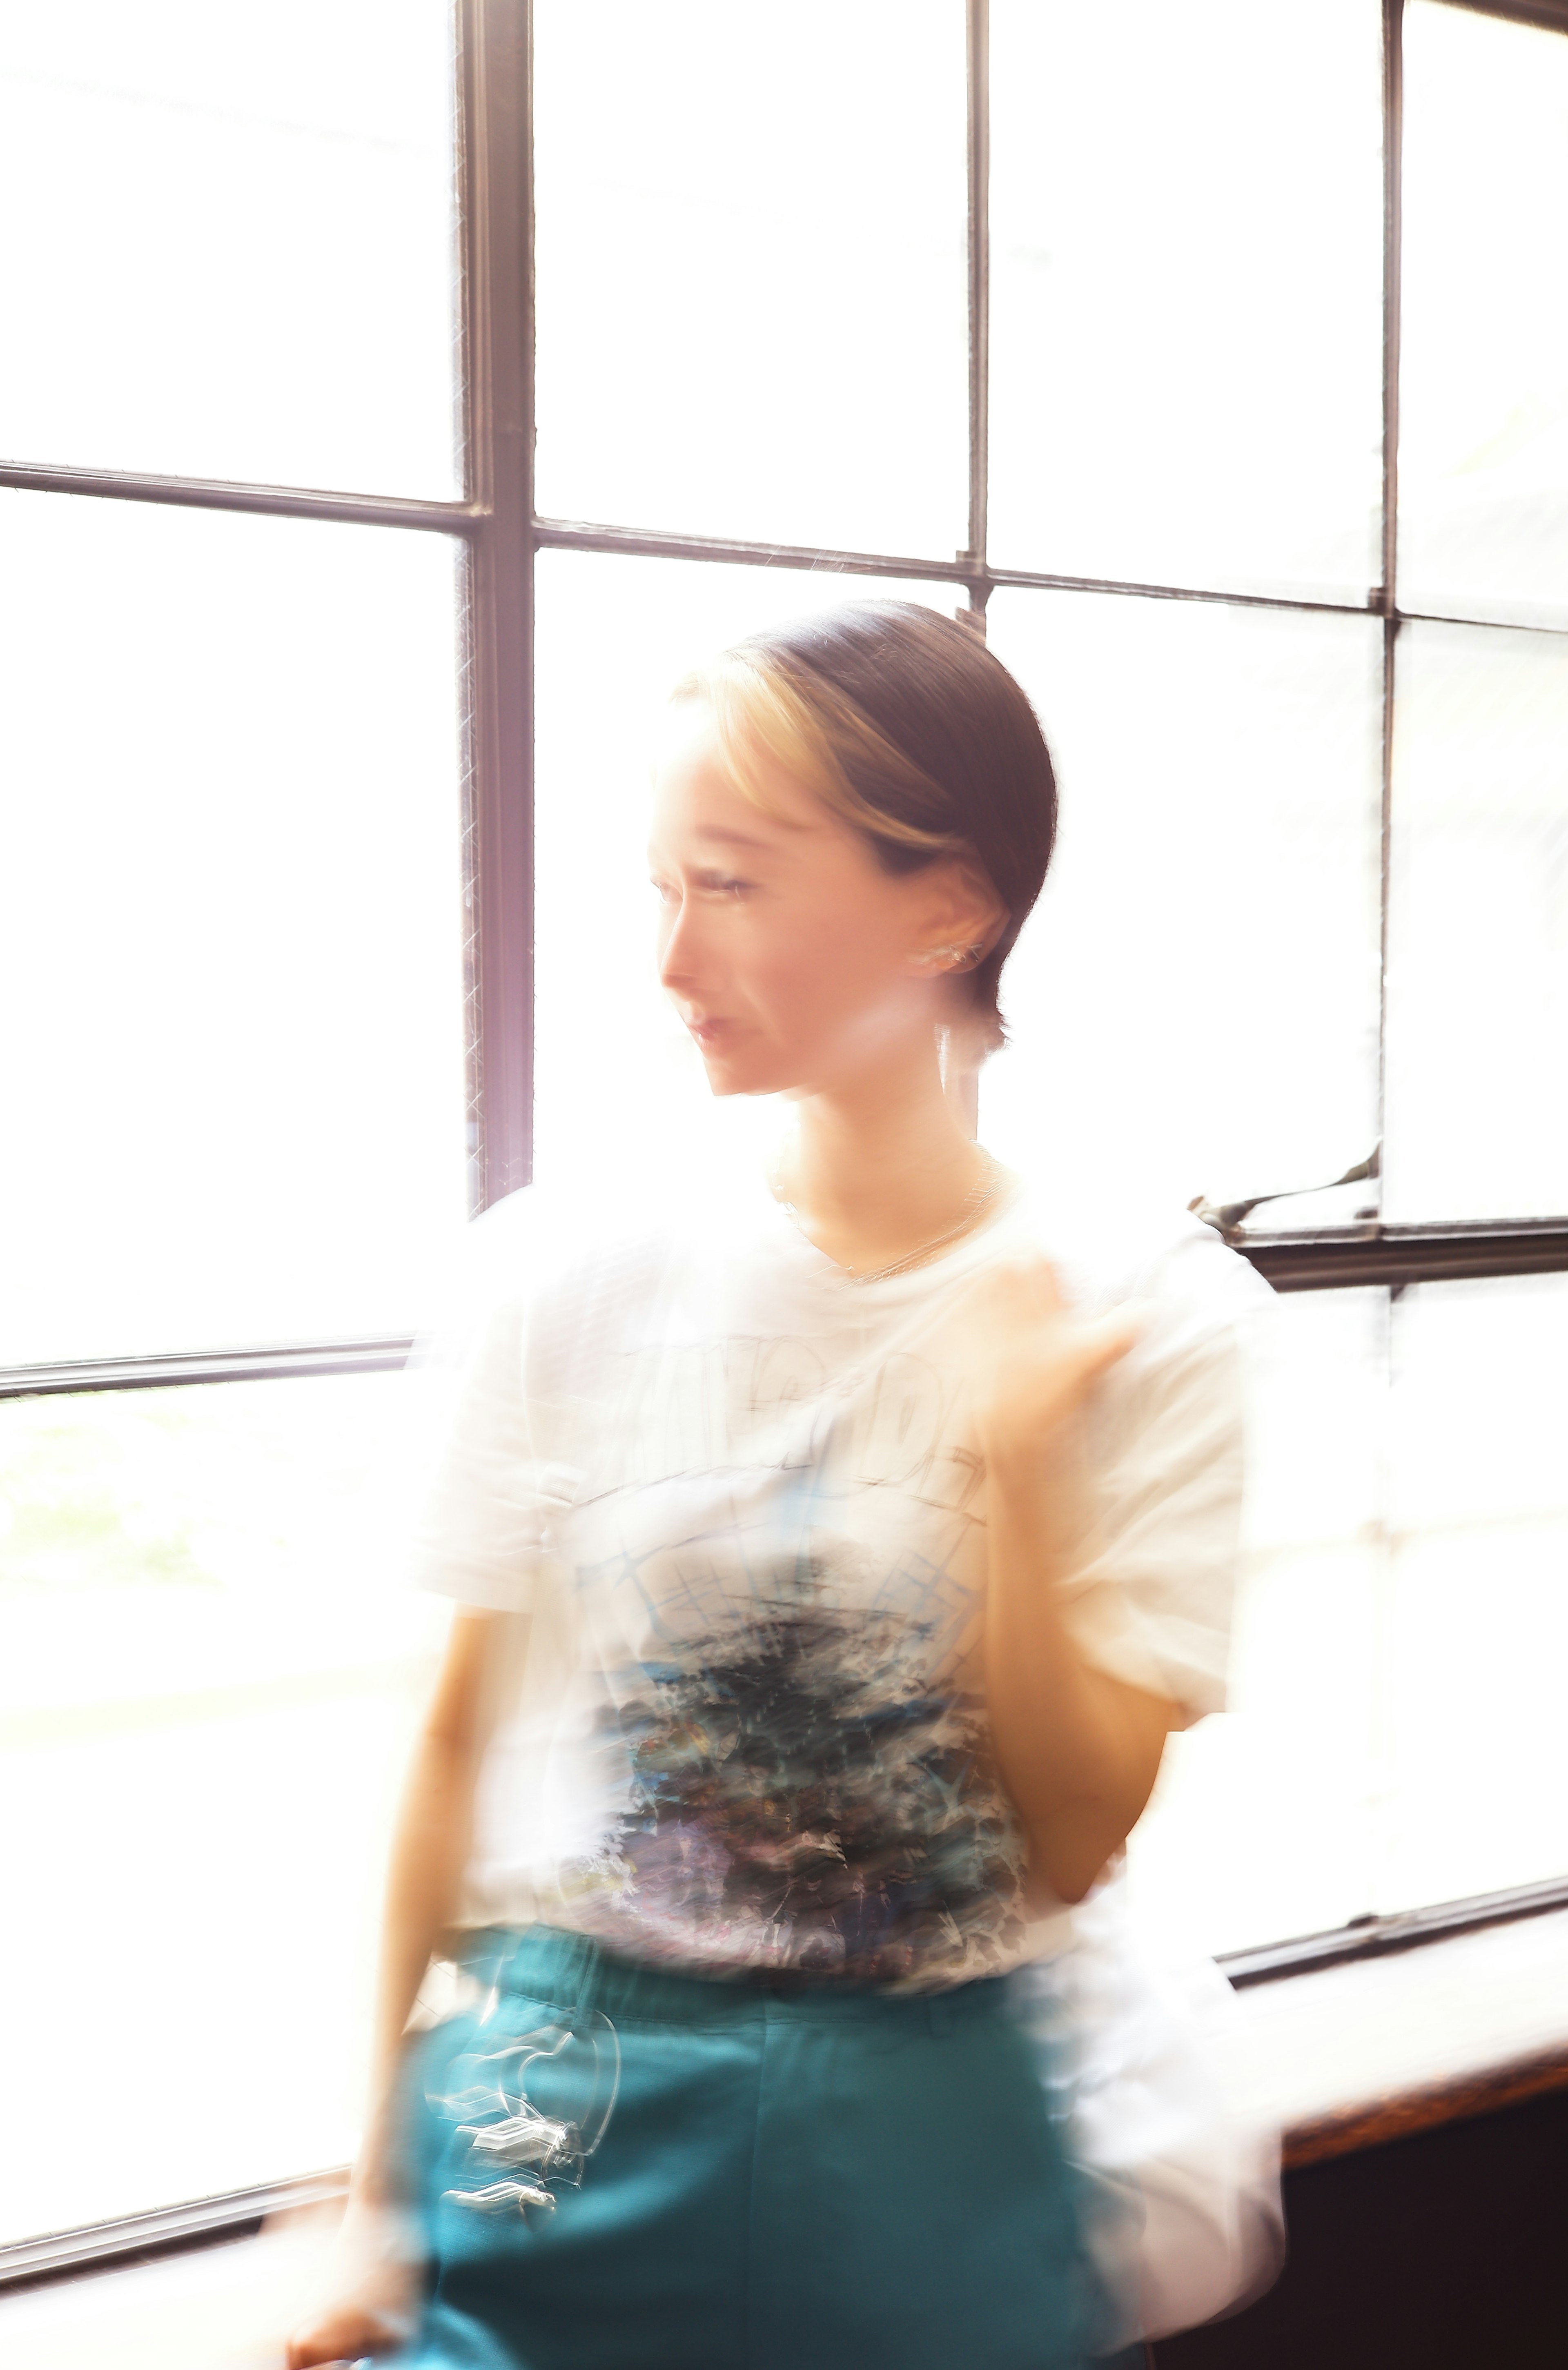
pixel 501 533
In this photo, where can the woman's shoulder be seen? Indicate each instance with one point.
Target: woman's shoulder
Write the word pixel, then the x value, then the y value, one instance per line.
pixel 555 1251
pixel 545 1242
pixel 1113 1250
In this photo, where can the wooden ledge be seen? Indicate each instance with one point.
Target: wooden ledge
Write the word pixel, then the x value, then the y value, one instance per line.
pixel 1357 2055
pixel 1405 2112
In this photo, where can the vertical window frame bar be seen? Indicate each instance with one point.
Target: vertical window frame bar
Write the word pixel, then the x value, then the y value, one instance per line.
pixel 497 184
pixel 1385 597
pixel 977 67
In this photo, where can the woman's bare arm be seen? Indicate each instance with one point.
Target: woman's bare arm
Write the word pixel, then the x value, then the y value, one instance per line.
pixel 431 1844
pixel 368 2293
pixel 1078 1750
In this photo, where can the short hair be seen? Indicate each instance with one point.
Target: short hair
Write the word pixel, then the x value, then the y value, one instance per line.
pixel 906 728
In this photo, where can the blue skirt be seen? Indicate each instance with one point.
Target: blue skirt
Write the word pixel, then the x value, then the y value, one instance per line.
pixel 620 2168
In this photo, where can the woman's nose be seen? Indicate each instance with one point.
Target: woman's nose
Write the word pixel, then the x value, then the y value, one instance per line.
pixel 678 952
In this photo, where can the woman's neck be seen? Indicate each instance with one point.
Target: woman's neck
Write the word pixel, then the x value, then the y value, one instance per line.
pixel 881 1166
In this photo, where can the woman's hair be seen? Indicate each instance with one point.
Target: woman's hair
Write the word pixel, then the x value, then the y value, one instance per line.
pixel 904 726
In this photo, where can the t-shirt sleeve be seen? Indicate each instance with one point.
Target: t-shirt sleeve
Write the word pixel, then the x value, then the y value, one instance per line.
pixel 1153 1601
pixel 484 1534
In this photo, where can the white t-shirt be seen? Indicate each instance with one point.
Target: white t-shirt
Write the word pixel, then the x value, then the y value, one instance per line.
pixel 733 1494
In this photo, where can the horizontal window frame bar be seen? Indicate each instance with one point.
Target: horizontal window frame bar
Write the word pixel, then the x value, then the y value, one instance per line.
pixel 477 521
pixel 980 579
pixel 1546 16
pixel 743 551
pixel 171 1370
pixel 963 570
pixel 1330 1261
pixel 223 494
pixel 172 2229
pixel 1393 1257
pixel 1377 1938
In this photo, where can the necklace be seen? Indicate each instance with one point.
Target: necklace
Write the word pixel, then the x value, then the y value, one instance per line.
pixel 979 1197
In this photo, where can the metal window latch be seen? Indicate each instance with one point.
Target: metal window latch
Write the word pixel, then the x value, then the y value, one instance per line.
pixel 1227 1218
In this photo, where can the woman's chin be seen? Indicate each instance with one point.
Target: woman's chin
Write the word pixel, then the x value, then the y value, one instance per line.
pixel 735 1074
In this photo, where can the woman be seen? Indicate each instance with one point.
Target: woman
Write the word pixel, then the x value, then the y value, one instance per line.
pixel 836 1554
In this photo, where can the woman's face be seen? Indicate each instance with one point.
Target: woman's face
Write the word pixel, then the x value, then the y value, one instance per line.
pixel 791 956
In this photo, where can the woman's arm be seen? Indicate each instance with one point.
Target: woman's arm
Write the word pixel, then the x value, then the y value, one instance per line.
pixel 431 1842
pixel 1078 1748
pixel 369 2291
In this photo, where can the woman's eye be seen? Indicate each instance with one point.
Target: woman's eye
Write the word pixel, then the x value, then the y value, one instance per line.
pixel 712 884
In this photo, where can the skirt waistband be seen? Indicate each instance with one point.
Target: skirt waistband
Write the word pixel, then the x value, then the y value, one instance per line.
pixel 573 1973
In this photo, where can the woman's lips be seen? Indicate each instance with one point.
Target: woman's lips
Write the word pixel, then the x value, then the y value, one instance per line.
pixel 709 1033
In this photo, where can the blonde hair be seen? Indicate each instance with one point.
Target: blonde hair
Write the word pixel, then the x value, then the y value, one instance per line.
pixel 821 743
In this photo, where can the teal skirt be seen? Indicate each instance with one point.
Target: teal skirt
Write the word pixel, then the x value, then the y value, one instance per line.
pixel 620 2168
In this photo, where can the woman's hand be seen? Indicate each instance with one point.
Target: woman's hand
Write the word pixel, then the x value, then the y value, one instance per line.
pixel 1078 1748
pixel 1033 1363
pixel 368 2299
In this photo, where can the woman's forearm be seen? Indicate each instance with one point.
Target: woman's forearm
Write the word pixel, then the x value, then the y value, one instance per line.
pixel 429 1853
pixel 430 1844
pixel 1077 1749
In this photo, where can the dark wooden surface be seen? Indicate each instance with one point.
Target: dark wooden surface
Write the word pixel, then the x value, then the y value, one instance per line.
pixel 1404 2113
pixel 1446 2249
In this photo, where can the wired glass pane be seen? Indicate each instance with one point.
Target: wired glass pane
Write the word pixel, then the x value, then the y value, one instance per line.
pixel 232 241
pixel 751 270
pixel 1478 935
pixel 231 902
pixel 209 1680
pixel 1194 1005
pixel 1483 375
pixel 1394 1737
pixel 1186 286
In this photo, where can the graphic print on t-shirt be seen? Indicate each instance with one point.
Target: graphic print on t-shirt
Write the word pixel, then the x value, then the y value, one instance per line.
pixel 802 1794
pixel 781 1586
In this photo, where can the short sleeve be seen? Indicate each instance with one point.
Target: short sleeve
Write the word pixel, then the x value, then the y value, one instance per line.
pixel 1153 1603
pixel 484 1535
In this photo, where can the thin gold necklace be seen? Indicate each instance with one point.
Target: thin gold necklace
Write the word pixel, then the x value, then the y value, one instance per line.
pixel 978 1200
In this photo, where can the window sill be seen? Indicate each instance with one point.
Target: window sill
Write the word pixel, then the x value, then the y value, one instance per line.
pixel 1346 2058
pixel 1351 2057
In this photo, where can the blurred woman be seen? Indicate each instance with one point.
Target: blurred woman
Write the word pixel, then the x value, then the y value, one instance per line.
pixel 836 1550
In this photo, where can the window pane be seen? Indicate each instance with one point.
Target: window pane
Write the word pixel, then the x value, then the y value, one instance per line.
pixel 1395 1736
pixel 1483 372
pixel 230 910
pixel 1478 1634
pixel 208 1683
pixel 616 1073
pixel 1478 966
pixel 1263 1823
pixel 1194 1007
pixel 752 307
pixel 233 240
pixel 1186 291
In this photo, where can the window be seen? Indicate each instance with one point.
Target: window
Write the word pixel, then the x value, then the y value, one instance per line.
pixel 1202 367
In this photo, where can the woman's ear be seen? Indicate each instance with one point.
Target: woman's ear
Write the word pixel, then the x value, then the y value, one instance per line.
pixel 959 909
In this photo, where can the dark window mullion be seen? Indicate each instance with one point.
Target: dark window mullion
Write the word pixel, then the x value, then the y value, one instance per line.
pixel 233 494
pixel 1551 16
pixel 174 1369
pixel 977 53
pixel 1401 1255
pixel 495 47
pixel 1386 595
